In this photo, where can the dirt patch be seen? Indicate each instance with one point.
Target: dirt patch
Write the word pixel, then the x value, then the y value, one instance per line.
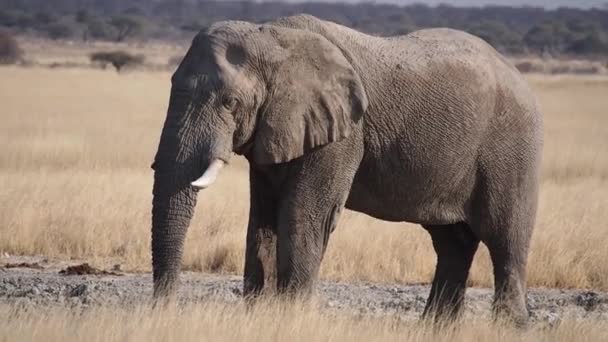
pixel 32 265
pixel 86 269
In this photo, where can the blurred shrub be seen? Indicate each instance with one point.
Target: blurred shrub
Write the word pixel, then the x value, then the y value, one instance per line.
pixel 118 59
pixel 559 66
pixel 10 52
pixel 527 67
pixel 175 61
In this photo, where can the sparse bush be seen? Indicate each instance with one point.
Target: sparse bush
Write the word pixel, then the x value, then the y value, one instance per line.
pixel 9 49
pixel 118 59
pixel 527 67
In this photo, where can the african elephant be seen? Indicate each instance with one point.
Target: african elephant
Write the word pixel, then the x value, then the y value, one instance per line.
pixel 434 128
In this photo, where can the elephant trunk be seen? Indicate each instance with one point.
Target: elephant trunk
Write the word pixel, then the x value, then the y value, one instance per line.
pixel 172 209
pixel 183 150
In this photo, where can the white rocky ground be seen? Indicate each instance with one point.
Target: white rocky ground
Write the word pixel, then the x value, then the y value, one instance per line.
pixel 40 283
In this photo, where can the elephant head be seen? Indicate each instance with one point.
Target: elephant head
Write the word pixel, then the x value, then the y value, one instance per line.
pixel 269 93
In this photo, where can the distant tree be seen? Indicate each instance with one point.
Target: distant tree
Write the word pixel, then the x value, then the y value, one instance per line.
pixel 25 21
pixel 509 29
pixel 592 44
pixel 118 59
pixel 60 30
pixel 8 18
pixel 134 11
pixel 97 28
pixel 82 16
pixel 399 24
pixel 194 26
pixel 582 27
pixel 126 26
pixel 44 18
pixel 551 36
pixel 498 35
pixel 16 18
pixel 9 49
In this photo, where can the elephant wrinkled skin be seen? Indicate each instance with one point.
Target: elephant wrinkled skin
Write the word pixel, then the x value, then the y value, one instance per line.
pixel 434 128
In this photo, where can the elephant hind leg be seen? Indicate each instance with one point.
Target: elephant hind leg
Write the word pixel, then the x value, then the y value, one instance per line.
pixel 455 246
pixel 503 216
pixel 508 241
pixel 509 281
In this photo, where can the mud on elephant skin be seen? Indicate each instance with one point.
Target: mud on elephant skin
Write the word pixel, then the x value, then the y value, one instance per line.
pixel 434 128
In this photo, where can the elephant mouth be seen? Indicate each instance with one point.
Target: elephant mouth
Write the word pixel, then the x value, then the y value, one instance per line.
pixel 246 148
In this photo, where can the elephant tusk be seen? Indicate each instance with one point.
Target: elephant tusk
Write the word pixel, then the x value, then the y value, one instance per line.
pixel 209 175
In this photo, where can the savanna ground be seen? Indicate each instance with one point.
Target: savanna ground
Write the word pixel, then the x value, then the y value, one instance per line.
pixel 76 184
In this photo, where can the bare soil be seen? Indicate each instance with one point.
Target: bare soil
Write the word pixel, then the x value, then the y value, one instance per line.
pixel 38 281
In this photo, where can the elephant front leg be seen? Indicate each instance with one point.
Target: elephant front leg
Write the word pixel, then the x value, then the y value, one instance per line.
pixel 303 239
pixel 260 252
pixel 260 261
pixel 311 202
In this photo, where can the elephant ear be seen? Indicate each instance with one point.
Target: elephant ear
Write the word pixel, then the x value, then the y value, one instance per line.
pixel 315 97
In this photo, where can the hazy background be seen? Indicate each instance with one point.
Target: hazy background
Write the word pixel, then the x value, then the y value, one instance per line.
pixel 541 3
pixel 559 32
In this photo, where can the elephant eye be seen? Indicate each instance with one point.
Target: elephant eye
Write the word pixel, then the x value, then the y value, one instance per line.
pixel 229 102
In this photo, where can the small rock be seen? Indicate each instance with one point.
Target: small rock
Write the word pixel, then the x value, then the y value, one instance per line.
pixel 588 300
pixel 79 290
pixel 34 292
pixel 19 294
pixel 237 291
pixel 552 318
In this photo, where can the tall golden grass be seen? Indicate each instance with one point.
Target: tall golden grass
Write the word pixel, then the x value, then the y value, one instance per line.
pixel 76 183
pixel 221 322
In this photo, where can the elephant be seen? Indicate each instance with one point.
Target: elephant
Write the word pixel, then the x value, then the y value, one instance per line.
pixel 434 128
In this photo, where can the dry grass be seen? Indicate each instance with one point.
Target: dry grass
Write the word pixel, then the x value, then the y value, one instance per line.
pixel 75 180
pixel 220 322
